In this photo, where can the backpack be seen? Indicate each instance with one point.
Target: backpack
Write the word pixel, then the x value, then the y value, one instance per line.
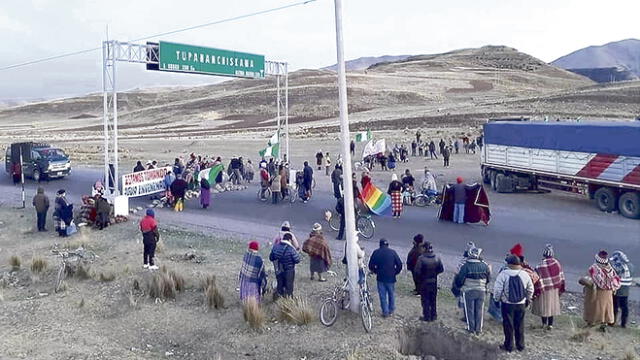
pixel 517 292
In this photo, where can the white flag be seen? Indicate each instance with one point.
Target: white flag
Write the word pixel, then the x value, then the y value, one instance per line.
pixel 274 139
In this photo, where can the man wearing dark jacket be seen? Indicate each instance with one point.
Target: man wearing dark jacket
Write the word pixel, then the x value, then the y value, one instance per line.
pixel 386 264
pixel 307 176
pixel 41 203
pixel 427 270
pixel 285 257
pixel 179 190
pixel 412 259
pixel 336 180
pixel 103 210
pixel 139 167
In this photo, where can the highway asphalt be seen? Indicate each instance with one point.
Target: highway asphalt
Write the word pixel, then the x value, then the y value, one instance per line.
pixel 575 228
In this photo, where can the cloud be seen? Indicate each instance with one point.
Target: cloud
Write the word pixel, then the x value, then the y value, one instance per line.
pixel 9 24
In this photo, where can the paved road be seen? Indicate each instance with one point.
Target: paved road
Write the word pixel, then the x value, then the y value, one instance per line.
pixel 575 228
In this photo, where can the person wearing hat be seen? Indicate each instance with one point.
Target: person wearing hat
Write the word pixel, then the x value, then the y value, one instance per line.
pixel 319 252
pixel 623 267
pixel 265 180
pixel 178 190
pixel 285 228
pixel 284 257
pixel 41 204
pixel 598 307
pixel 412 259
pixel 473 280
pixel 150 237
pixel 546 297
pixel 427 269
pixel 252 275
pixel 459 200
pixel 62 213
pixel 395 190
pixel 514 289
pixel 386 264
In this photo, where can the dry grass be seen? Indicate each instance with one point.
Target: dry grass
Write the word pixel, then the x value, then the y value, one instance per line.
pixel 160 248
pixel 107 276
pixel 178 280
pixel 81 272
pixel 295 310
pixel 38 265
pixel 161 286
pixel 81 304
pixel 212 294
pixel 630 355
pixel 253 313
pixel 15 262
pixel 581 336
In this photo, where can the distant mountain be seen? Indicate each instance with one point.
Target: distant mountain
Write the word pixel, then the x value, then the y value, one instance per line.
pixel 621 57
pixel 364 62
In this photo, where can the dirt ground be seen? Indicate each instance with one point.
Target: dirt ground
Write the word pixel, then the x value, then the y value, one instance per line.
pixel 100 318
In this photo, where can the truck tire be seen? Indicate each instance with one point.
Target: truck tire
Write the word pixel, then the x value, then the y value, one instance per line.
pixel 492 180
pixel 504 183
pixel 629 205
pixel 486 178
pixel 605 199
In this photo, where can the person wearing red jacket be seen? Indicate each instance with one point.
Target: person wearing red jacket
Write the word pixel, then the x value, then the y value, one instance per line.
pixel 150 236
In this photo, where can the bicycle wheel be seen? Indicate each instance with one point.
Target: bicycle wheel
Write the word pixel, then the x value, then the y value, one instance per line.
pixel 328 312
pixel 60 277
pixel 345 301
pixel 334 221
pixel 313 183
pixel 365 314
pixel 293 195
pixel 421 201
pixel 365 226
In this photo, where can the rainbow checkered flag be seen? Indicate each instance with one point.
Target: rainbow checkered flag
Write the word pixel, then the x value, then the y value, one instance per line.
pixel 378 202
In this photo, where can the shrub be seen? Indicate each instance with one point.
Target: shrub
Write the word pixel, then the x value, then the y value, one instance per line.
pixel 213 296
pixel 253 313
pixel 80 272
pixel 581 336
pixel 161 286
pixel 295 310
pixel 15 262
pixel 178 280
pixel 38 265
pixel 107 277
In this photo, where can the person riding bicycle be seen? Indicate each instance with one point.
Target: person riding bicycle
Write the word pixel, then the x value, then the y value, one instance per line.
pixel 429 186
pixel 408 181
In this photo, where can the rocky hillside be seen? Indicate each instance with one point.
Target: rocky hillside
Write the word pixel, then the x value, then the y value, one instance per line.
pixel 623 55
pixel 364 62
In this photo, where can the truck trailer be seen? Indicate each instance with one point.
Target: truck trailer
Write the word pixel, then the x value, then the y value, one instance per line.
pixel 600 160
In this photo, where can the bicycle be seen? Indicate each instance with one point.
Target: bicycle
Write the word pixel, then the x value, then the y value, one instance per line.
pixel 70 259
pixel 264 195
pixel 340 294
pixel 364 223
pixel 292 193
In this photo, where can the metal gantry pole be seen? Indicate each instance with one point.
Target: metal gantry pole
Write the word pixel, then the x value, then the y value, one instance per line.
pixel 114 99
pixel 105 109
pixel 278 102
pixel 286 107
pixel 349 213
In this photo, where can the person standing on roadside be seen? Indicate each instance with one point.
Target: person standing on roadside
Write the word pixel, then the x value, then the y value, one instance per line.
pixel 327 164
pixel 319 157
pixel 150 237
pixel 418 135
pixel 412 260
pixel 427 269
pixel 319 252
pixel 284 257
pixel 446 154
pixel 139 167
pixel 395 191
pixel 441 145
pixel 623 267
pixel 598 309
pixel 336 180
pixel 546 302
pixel 41 204
pixel 459 200
pixel 179 190
pixel 352 147
pixel 252 274
pixel 307 176
pixel 432 150
pixel 414 146
pixel 514 289
pixel 386 264
pixel 472 280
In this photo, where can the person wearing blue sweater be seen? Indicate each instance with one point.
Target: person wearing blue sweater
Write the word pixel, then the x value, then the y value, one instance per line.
pixel 285 257
pixel 386 264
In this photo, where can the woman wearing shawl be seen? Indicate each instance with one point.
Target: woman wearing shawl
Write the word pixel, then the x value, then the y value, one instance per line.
pixel 318 250
pixel 205 193
pixel 602 281
pixel 252 274
pixel 623 267
pixel 546 302
pixel 395 190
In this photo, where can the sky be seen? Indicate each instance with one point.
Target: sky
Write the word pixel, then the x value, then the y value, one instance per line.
pixel 303 36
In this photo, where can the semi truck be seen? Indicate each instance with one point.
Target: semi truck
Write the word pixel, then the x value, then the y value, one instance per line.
pixel 600 160
pixel 39 160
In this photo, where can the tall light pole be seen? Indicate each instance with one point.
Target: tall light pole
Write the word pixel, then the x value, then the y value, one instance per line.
pixel 349 214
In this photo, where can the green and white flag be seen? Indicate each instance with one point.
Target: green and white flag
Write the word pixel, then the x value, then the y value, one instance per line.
pixel 274 139
pixel 363 136
pixel 272 150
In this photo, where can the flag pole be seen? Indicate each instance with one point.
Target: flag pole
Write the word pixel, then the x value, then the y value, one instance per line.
pixel 24 203
pixel 349 213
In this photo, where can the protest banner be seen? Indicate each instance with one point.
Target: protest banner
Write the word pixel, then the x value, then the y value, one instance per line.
pixel 144 182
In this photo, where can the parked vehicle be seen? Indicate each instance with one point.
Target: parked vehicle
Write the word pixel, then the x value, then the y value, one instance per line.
pixel 39 161
pixel 598 159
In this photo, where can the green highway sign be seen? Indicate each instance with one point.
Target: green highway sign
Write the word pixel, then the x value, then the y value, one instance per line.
pixel 203 60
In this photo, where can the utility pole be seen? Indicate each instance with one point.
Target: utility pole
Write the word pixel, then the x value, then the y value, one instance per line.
pixel 24 203
pixel 349 213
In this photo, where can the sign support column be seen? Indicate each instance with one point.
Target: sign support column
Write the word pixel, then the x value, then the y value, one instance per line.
pixel 349 213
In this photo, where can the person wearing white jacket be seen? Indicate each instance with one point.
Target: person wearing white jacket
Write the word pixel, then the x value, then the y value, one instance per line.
pixel 514 289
